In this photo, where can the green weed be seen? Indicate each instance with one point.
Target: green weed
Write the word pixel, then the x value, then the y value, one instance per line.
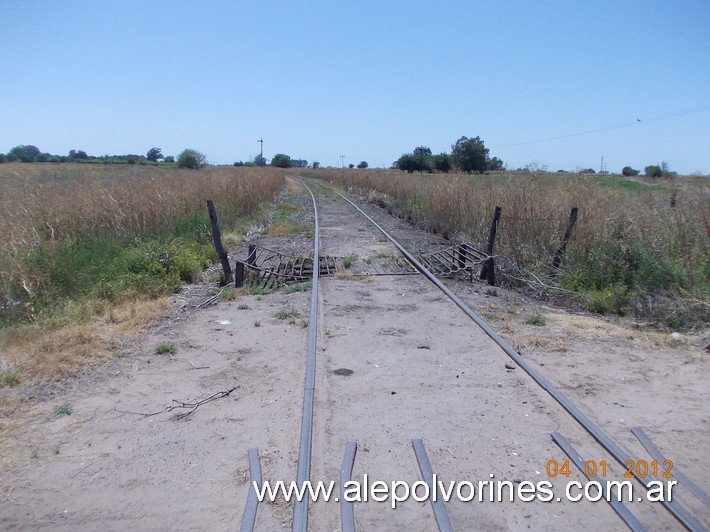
pixel 290 314
pixel 536 319
pixel 63 410
pixel 301 287
pixel 229 294
pixel 165 349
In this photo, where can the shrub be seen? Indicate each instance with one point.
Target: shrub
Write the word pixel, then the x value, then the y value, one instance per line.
pixel 610 300
pixel 191 159
pixel 281 160
pixel 536 319
pixel 629 172
pixel 165 349
pixel 653 171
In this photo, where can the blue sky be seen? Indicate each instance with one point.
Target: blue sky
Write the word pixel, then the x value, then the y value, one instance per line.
pixel 368 80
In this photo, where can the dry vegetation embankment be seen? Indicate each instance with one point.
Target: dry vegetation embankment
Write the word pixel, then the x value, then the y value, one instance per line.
pixel 80 242
pixel 639 247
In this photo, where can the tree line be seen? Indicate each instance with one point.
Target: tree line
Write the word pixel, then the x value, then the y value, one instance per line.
pixel 28 153
pixel 468 155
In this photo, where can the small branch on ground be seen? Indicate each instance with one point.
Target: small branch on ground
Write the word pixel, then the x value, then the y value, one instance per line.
pixel 211 301
pixel 195 367
pixel 175 404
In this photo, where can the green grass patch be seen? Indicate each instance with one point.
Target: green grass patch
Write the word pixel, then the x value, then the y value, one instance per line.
pixel 63 410
pixel 301 287
pixel 256 290
pixel 290 314
pixel 165 349
pixel 536 319
pixel 625 183
pixel 229 294
pixel 10 378
pixel 349 260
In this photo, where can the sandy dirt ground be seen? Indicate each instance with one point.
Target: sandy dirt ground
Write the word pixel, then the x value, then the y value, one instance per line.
pixel 396 360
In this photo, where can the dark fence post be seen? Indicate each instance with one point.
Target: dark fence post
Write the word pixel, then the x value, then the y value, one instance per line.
pixel 568 233
pixel 252 255
pixel 239 274
pixel 488 271
pixel 217 238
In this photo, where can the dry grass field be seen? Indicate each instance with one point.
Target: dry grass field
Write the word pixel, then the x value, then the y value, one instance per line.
pixel 88 253
pixel 640 247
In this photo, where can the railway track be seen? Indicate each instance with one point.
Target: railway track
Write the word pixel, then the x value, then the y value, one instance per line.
pixel 334 429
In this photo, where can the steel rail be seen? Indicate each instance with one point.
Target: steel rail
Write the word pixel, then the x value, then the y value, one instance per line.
pixel 622 511
pixel 436 500
pixel 347 511
pixel 249 516
pixel 300 508
pixel 680 513
pixel 656 454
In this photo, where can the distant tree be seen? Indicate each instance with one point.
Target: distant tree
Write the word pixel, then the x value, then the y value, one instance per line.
pixel 469 155
pixel 442 163
pixel 24 153
pixel 3 158
pixel 424 160
pixel 351 165
pixel 495 165
pixel 77 154
pixel 629 172
pixel 154 154
pixel 666 170
pixel 260 160
pixel 299 163
pixel 250 164
pixel 407 163
pixel 281 160
pixel 239 163
pixel 191 159
pixel 588 171
pixel 169 159
pixel 420 160
pixel 362 165
pixel 316 164
pixel 653 171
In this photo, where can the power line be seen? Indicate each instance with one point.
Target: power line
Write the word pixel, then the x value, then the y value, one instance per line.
pixel 609 128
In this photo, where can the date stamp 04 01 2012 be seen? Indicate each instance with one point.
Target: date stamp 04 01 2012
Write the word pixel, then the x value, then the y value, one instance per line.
pixel 634 468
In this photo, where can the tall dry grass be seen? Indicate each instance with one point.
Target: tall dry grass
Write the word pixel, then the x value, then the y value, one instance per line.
pixel 638 247
pixel 46 207
pixel 87 251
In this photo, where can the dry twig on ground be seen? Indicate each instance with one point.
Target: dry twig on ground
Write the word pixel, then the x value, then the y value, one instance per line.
pixel 175 404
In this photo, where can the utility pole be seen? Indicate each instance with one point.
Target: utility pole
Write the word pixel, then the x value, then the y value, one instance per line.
pixel 261 155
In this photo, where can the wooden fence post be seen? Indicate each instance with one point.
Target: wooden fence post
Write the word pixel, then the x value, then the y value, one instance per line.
pixel 488 271
pixel 239 266
pixel 568 233
pixel 217 238
pixel 239 274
